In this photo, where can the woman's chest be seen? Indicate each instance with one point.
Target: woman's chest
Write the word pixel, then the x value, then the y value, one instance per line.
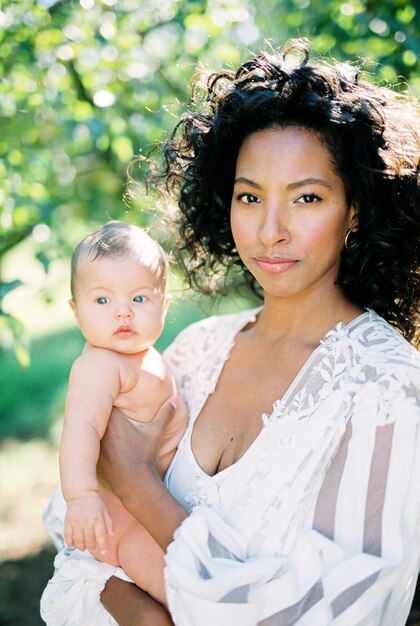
pixel 231 418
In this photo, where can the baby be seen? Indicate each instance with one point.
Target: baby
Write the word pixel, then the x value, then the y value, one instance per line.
pixel 120 299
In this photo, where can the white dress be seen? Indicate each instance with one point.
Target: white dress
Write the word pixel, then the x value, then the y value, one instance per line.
pixel 316 524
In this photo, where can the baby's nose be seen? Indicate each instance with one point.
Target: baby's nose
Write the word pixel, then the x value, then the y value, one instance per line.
pixel 124 311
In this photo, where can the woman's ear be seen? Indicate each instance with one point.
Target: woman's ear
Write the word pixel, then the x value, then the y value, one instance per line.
pixel 353 219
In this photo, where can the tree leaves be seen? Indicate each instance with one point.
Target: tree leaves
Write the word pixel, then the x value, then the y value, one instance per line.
pixel 87 85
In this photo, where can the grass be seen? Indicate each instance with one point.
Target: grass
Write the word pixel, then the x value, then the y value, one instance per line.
pixel 28 475
pixel 21 584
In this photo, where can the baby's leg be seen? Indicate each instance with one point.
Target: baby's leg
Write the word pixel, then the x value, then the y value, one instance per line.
pixel 142 559
pixel 132 548
pixel 121 521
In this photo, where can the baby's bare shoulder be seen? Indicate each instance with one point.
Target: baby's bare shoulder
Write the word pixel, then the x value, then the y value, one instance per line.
pixel 96 360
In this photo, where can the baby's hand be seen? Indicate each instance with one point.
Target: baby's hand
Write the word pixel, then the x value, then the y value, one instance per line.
pixel 87 523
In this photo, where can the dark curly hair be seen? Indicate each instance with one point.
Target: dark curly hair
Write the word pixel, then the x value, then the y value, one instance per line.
pixel 373 136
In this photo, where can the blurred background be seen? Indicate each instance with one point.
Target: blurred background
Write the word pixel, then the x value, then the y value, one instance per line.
pixel 85 86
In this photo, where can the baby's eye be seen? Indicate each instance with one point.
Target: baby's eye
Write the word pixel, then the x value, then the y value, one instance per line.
pixel 248 198
pixel 308 198
pixel 102 300
pixel 139 299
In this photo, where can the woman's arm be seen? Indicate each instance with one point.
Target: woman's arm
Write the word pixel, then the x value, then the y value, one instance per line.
pixel 130 606
pixel 128 464
pixel 86 582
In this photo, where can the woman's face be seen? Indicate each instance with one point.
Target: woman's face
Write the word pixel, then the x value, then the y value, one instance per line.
pixel 289 215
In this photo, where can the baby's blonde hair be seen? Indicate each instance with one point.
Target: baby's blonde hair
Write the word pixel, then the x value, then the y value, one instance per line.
pixel 117 239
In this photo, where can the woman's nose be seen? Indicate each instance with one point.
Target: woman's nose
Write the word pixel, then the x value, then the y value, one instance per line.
pixel 273 227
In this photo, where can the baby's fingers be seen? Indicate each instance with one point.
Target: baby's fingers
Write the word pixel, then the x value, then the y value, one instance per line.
pixel 79 538
pixel 73 535
pixel 90 536
pixel 101 532
pixel 68 535
pixel 109 525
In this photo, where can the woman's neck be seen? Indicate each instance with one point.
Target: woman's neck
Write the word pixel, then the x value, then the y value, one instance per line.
pixel 306 317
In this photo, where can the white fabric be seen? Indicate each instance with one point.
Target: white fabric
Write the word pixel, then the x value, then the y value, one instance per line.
pixel 184 475
pixel 72 596
pixel 318 522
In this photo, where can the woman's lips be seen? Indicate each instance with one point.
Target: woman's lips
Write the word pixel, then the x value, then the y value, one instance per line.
pixel 273 264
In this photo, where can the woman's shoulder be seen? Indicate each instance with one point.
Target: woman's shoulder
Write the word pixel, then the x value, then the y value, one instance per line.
pixel 377 339
pixel 216 328
pixel 382 353
pixel 202 347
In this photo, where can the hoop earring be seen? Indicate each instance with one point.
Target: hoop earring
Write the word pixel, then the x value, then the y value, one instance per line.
pixel 346 239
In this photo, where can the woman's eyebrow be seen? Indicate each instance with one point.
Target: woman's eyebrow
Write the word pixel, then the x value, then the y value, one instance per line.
pixel 294 185
pixel 247 181
pixel 309 181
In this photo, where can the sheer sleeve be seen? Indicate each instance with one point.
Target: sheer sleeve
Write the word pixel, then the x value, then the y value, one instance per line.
pixel 355 564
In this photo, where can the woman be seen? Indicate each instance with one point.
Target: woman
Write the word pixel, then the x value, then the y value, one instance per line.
pixel 292 498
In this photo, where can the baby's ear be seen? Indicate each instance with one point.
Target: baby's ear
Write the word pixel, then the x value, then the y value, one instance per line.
pixel 168 300
pixel 73 307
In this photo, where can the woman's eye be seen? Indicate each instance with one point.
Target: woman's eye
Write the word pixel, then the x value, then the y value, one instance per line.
pixel 308 198
pixel 248 198
pixel 139 299
pixel 102 300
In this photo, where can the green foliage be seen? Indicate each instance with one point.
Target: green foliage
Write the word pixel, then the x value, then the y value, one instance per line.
pixel 34 396
pixel 382 34
pixel 87 84
pixel 14 327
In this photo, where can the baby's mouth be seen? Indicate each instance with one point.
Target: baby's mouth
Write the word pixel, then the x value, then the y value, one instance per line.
pixel 124 330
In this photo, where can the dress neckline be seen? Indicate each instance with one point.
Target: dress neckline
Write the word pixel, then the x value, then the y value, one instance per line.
pixel 245 318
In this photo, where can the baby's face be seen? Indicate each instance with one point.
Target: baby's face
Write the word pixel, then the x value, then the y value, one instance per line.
pixel 119 303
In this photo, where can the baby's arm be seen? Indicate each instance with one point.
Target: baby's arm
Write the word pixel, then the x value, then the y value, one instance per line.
pixel 93 386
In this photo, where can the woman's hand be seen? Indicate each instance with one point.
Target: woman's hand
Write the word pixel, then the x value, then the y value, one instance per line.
pixel 130 606
pixel 130 450
pixel 127 463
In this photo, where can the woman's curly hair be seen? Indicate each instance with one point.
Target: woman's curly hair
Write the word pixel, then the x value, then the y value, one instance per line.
pixel 373 136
